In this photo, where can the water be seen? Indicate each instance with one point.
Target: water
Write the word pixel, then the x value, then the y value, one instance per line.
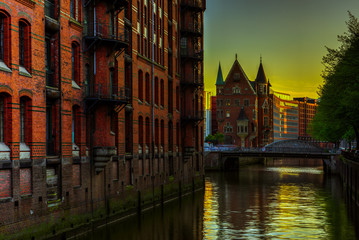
pixel 257 202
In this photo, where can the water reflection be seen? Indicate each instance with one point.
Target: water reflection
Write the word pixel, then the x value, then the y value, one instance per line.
pixel 258 202
pixel 274 203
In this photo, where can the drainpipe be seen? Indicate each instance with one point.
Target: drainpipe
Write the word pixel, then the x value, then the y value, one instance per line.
pixel 153 89
pixel 60 100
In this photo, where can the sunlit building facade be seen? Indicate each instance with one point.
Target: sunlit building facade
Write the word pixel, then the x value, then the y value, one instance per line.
pixel 285 117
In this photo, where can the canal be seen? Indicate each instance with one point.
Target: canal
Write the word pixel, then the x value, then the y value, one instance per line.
pixel 285 199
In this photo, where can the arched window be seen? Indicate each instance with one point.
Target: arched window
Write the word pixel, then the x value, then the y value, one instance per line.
pixel 156 90
pixel 5 40
pixel 140 85
pixel 5 118
pixel 75 9
pixel 75 63
pixel 162 93
pixel 148 88
pixel 24 47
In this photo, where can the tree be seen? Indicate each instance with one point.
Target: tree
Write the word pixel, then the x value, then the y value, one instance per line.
pixel 215 139
pixel 338 108
pixel 219 137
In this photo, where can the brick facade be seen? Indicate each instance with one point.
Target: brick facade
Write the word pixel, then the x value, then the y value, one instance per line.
pixel 109 100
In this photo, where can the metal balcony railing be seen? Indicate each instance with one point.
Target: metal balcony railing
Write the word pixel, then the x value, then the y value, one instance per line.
pixel 106 32
pixel 190 53
pixel 107 92
pixel 195 79
pixel 195 29
pixel 198 5
pixel 193 115
pixel 49 9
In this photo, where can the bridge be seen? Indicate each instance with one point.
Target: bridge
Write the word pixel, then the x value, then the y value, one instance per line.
pixel 280 149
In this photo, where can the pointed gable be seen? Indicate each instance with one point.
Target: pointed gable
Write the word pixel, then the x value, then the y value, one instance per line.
pixel 261 77
pixel 219 76
pixel 237 76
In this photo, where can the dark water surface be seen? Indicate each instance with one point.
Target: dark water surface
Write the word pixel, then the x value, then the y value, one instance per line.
pixel 277 201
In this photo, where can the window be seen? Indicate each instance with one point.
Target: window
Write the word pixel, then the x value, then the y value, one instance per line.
pixel 227 128
pixel 148 88
pixel 76 129
pixel 148 132
pixel 237 102
pixel 265 110
pixel 246 102
pixel 140 85
pixel 22 120
pixel 162 135
pixel 265 122
pixel 228 114
pixel 4 41
pixel 254 114
pixel 162 93
pixel 228 102
pixel 75 64
pixel 156 90
pixel 75 9
pixel 236 77
pixel 236 90
pixel 24 47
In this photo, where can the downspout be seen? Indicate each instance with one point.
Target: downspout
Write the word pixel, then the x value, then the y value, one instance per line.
pixel 153 89
pixel 60 97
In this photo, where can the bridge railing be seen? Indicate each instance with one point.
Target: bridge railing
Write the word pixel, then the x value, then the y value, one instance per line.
pixel 269 150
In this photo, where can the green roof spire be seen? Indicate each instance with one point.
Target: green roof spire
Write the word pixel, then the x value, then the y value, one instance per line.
pixel 219 76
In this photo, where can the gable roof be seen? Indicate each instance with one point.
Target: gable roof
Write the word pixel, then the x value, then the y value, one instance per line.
pixel 219 76
pixel 236 66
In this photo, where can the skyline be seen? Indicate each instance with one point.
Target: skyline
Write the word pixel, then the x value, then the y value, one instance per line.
pixel 291 55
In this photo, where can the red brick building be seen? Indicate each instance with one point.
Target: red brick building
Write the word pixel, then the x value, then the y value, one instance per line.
pixel 307 108
pixel 244 107
pixel 97 98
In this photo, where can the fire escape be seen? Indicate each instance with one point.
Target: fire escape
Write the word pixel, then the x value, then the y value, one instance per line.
pixel 103 90
pixel 191 52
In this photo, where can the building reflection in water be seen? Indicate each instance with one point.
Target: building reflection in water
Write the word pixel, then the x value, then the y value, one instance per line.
pixel 273 202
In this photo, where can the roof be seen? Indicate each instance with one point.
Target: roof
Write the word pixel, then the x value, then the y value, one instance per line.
pixel 237 68
pixel 219 76
pixel 261 76
pixel 242 115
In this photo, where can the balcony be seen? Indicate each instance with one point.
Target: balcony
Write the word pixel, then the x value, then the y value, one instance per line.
pixel 191 54
pixel 112 5
pixel 195 80
pixel 107 93
pixel 51 23
pixel 192 30
pixel 192 116
pixel 193 5
pixel 97 32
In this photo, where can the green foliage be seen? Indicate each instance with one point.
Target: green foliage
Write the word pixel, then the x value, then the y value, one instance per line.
pixel 215 139
pixel 338 109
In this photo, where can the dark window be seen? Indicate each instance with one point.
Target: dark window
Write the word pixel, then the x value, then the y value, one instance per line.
pixel 75 61
pixel 24 45
pixel 162 92
pixel 156 91
pixel 140 85
pixel 5 37
pixel 22 120
pixel 148 88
